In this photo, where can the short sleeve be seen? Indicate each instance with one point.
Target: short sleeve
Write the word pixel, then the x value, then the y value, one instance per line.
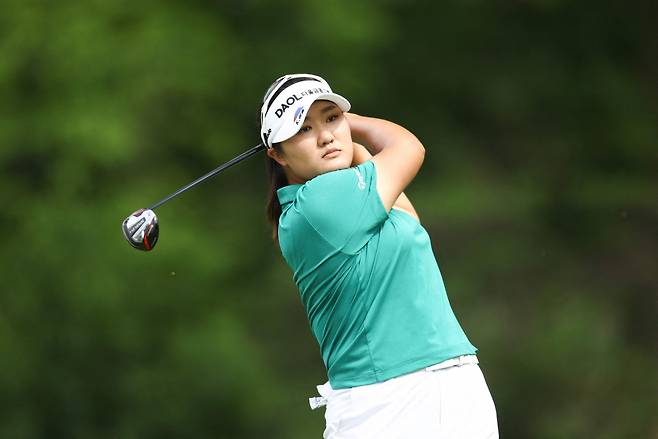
pixel 344 206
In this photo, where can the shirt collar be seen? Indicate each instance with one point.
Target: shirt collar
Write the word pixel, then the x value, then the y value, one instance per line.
pixel 287 193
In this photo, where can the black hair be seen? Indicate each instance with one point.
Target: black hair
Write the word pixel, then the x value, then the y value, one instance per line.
pixel 276 180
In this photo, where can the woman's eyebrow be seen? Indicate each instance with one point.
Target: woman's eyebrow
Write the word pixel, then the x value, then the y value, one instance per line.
pixel 324 110
pixel 328 108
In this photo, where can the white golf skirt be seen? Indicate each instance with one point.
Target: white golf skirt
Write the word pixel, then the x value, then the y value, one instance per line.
pixel 447 400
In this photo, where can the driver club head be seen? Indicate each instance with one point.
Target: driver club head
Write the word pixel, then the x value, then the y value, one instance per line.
pixel 141 229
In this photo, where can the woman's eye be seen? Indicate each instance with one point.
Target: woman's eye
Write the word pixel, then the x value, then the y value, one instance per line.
pixel 332 118
pixel 305 129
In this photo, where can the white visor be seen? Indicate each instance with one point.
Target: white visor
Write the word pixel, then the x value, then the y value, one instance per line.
pixel 286 105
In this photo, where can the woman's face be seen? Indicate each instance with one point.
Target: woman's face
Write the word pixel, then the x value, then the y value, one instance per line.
pixel 322 144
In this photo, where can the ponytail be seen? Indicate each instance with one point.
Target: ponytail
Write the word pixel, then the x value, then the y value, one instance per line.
pixel 277 179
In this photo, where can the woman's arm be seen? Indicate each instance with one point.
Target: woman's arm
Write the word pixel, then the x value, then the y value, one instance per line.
pixel 398 155
pixel 362 155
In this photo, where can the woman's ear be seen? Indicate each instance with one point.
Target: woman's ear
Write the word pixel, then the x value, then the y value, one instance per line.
pixel 276 156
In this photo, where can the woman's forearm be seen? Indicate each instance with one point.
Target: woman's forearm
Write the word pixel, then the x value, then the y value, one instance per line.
pixel 377 134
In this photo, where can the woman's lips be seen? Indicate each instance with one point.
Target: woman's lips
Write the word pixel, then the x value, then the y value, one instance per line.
pixel 331 153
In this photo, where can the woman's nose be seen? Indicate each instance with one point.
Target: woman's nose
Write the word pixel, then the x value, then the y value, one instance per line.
pixel 325 137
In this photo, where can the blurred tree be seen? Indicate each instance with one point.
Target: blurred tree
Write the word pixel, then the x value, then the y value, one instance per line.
pixel 539 191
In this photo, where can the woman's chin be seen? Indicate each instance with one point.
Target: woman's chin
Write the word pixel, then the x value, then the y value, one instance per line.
pixel 340 162
pixel 333 165
pixel 337 166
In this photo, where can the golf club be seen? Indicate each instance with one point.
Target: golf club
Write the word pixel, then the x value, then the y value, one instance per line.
pixel 141 228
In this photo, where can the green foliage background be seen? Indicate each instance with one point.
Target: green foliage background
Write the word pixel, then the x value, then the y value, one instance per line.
pixel 539 189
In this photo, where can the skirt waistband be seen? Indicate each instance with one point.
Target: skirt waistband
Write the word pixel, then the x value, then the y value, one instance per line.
pixel 325 390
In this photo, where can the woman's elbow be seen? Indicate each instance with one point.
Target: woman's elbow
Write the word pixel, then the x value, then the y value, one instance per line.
pixel 420 152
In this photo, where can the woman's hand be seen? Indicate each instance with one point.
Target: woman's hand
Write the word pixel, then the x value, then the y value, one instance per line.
pixel 361 154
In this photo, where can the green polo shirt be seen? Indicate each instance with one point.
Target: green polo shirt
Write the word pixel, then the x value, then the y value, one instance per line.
pixel 368 279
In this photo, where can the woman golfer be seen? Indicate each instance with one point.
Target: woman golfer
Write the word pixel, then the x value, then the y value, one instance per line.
pixel 399 364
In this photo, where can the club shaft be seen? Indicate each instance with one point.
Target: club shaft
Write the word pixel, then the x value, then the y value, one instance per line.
pixel 233 161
